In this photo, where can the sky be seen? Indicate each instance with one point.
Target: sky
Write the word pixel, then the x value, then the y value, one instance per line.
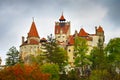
pixel 16 18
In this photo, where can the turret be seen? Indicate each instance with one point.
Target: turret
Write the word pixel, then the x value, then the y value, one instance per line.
pixel 62 30
pixel 33 33
pixel 100 33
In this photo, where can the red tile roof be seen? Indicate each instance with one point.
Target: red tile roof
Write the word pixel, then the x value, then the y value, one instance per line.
pixel 33 31
pixel 82 33
pixel 64 29
pixel 100 29
pixel 71 40
pixel 62 18
pixel 43 40
pixel 32 41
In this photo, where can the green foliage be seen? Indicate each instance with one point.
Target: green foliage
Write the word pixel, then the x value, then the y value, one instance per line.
pixel 99 75
pixel 81 58
pixel 52 69
pixel 81 49
pixel 113 51
pixel 98 58
pixel 13 56
pixel 72 75
pixel 106 61
pixel 55 54
pixel 113 57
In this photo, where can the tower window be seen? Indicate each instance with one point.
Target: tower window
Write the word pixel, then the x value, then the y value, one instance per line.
pixel 62 24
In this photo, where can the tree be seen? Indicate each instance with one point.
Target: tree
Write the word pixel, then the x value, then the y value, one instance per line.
pixel 80 53
pixel 113 51
pixel 98 57
pixel 23 72
pixel 52 69
pixel 55 54
pixel 113 57
pixel 80 48
pixel 13 56
pixel 104 61
pixel 99 65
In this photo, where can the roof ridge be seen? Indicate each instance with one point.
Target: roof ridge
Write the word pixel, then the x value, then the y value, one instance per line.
pixel 82 32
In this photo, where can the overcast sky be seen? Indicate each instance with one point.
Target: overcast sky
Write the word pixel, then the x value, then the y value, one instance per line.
pixel 16 18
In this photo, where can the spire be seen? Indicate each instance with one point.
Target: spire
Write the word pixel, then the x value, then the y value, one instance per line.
pixel 33 30
pixel 62 18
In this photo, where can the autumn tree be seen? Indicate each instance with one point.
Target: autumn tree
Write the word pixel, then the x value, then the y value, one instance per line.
pixel 12 56
pixel 23 72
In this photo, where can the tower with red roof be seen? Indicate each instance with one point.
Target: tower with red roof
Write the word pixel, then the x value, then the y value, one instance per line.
pixel 62 30
pixel 32 45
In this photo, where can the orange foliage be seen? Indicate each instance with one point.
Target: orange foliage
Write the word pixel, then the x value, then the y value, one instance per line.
pixel 23 72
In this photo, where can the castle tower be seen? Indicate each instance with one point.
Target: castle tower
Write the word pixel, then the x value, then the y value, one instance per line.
pixel 100 33
pixel 62 31
pixel 32 45
pixel 33 33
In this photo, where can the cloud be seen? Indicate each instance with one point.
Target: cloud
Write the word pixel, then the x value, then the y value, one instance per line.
pixel 113 14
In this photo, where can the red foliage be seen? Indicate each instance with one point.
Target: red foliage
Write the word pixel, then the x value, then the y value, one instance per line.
pixel 23 72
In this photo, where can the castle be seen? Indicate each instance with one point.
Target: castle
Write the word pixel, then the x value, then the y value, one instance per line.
pixel 34 44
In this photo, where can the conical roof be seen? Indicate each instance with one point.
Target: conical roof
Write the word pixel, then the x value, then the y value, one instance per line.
pixel 62 18
pixel 33 31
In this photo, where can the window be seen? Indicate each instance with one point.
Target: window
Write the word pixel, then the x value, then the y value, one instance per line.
pixel 69 50
pixel 58 36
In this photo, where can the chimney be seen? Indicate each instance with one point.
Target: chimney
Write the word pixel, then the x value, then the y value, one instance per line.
pixel 96 30
pixel 76 33
pixel 23 39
